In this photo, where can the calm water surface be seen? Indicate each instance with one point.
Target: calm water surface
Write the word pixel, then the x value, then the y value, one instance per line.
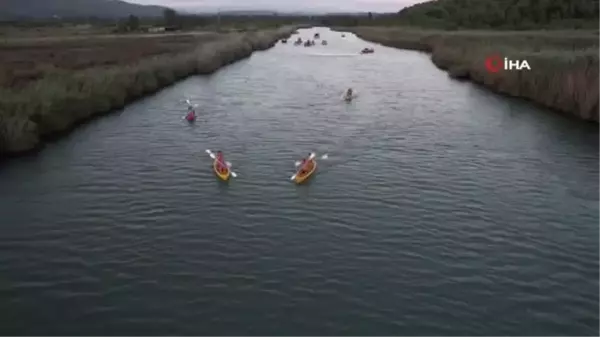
pixel 443 209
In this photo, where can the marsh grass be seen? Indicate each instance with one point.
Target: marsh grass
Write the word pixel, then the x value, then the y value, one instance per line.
pixel 564 74
pixel 26 60
pixel 63 96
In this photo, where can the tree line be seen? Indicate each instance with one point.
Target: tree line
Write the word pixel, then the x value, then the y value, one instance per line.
pixel 440 14
pixel 172 21
pixel 503 13
pixel 485 14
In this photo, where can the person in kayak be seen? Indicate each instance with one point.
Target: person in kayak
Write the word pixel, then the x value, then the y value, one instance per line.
pixel 221 162
pixel 349 94
pixel 304 164
pixel 191 115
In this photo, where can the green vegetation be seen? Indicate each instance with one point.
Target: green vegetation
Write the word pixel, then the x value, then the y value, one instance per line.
pixel 49 86
pixel 484 14
pixel 225 21
pixel 505 14
pixel 170 20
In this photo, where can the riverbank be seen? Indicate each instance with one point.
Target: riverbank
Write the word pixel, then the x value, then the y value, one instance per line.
pixel 51 87
pixel 564 64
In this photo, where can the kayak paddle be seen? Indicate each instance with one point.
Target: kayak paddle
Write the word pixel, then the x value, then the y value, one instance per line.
pixel 190 103
pixel 325 156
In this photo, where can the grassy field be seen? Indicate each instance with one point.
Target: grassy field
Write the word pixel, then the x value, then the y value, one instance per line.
pixel 49 85
pixel 31 59
pixel 57 31
pixel 564 64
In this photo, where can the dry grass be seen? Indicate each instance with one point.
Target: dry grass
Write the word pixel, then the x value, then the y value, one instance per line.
pixel 564 64
pixel 26 60
pixel 67 91
pixel 57 31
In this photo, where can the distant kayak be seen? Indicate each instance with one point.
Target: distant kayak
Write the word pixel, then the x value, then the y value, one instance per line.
pixel 349 95
pixel 191 115
pixel 367 51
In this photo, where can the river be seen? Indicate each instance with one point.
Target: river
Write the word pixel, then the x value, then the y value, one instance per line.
pixel 443 209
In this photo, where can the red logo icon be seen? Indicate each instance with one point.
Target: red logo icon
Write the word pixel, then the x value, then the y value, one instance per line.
pixel 493 63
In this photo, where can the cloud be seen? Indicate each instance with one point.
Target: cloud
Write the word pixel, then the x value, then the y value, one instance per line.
pixel 287 5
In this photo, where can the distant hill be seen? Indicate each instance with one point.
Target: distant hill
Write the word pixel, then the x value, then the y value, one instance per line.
pixel 346 14
pixel 39 9
pixel 248 12
pixel 227 12
pixel 502 13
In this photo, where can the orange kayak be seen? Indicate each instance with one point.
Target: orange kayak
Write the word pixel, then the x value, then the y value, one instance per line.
pixel 306 172
pixel 223 172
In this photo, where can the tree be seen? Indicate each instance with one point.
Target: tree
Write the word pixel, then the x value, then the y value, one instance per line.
pixel 133 22
pixel 435 12
pixel 170 17
pixel 370 16
pixel 523 14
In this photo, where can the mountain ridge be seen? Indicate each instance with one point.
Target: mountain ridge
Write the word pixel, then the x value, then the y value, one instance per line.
pixel 38 9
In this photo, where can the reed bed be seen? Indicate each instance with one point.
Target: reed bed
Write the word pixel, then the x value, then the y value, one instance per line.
pixel 65 93
pixel 564 64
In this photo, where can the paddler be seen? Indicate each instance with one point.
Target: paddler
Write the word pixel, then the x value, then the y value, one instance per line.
pixel 304 163
pixel 191 115
pixel 221 162
pixel 349 94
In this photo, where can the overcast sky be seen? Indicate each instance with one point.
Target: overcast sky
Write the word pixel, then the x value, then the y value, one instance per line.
pixel 287 5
